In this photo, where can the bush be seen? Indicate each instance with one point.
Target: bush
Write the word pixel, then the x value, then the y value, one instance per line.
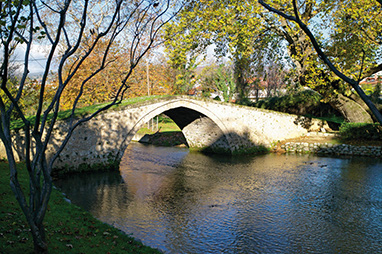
pixel 299 103
pixel 361 131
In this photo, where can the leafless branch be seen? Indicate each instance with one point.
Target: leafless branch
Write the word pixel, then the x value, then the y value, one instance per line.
pixel 44 26
pixel 146 23
pixel 46 71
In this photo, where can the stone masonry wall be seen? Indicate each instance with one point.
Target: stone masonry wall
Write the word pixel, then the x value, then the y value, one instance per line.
pixel 332 149
pixel 327 148
pixel 104 139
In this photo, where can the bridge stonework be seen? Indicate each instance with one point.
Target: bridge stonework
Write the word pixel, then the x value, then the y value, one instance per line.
pixel 206 124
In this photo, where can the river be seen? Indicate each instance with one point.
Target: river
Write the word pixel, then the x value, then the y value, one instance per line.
pixel 183 202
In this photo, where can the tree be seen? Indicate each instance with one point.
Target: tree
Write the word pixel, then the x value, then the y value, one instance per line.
pixel 254 37
pixel 183 58
pixel 228 25
pixel 218 78
pixel 354 83
pixel 97 90
pixel 154 73
pixel 275 79
pixel 225 83
pixel 70 39
pixel 162 77
pixel 308 71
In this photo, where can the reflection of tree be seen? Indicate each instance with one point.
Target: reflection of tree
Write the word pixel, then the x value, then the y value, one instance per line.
pixel 92 190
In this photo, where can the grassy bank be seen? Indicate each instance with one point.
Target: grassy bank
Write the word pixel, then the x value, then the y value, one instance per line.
pixel 83 111
pixel 165 124
pixel 165 133
pixel 69 228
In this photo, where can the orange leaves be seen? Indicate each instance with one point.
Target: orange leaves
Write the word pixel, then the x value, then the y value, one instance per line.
pixel 161 78
pixel 96 78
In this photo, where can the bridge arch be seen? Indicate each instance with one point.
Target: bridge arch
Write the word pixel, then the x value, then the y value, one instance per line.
pixel 205 123
pixel 201 127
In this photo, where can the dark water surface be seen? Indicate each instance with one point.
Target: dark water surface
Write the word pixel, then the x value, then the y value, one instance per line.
pixel 183 202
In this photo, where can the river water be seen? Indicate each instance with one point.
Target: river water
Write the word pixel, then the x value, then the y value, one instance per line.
pixel 182 202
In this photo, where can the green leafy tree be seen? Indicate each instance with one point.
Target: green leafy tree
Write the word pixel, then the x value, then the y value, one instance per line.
pixel 218 78
pixel 185 77
pixel 252 35
pixel 331 62
pixel 308 70
pixel 243 31
pixel 228 25
pixel 225 83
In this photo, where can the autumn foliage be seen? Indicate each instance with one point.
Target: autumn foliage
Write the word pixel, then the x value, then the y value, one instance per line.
pixel 104 85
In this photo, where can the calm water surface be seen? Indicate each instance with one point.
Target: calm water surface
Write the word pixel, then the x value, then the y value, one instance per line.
pixel 183 202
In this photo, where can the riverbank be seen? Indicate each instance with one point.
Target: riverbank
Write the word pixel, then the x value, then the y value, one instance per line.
pixel 69 228
pixel 172 138
pixel 330 144
pixel 314 142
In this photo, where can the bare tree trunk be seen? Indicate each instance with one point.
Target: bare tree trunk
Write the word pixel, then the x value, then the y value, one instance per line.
pixel 144 18
pixel 39 240
pixel 241 66
pixel 35 211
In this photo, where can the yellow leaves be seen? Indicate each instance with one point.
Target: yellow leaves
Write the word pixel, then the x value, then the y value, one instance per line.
pixel 240 8
pixel 231 24
pixel 355 37
pixel 99 88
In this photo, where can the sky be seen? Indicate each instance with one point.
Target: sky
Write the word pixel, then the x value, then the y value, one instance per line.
pixel 37 58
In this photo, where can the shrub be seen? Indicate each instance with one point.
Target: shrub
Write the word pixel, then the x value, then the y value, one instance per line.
pixel 362 131
pixel 300 103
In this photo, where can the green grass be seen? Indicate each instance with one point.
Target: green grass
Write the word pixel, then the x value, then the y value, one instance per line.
pixel 80 112
pixel 330 118
pixel 165 124
pixel 69 228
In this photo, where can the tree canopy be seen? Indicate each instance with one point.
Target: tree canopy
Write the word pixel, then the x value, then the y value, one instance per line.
pixel 229 26
pixel 345 104
pixel 252 36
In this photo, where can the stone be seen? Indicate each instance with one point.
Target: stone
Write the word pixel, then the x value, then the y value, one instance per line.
pixel 221 126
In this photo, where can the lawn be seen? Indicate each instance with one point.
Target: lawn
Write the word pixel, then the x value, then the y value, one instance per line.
pixel 165 124
pixel 83 111
pixel 69 228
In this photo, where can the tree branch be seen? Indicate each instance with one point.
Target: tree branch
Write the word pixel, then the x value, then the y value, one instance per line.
pixel 322 55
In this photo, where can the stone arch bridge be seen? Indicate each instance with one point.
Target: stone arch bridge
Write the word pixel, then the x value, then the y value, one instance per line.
pixel 206 124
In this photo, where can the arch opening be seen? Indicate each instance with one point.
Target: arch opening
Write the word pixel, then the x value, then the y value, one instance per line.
pixel 161 130
pixel 200 132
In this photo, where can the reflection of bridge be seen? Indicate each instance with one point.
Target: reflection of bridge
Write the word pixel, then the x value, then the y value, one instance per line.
pixel 206 124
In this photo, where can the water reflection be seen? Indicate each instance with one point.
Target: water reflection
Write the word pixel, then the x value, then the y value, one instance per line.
pixel 185 202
